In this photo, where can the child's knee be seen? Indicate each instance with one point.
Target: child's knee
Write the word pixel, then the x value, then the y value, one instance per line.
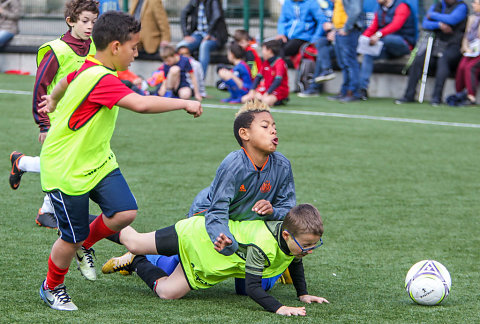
pixel 224 74
pixel 169 295
pixel 125 218
pixel 185 93
pixel 174 70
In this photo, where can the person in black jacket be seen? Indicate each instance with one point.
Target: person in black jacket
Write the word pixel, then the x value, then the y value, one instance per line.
pixel 204 28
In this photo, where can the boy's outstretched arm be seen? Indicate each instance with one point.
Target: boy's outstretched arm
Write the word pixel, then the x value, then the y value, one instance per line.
pixel 154 104
pixel 298 278
pixel 254 266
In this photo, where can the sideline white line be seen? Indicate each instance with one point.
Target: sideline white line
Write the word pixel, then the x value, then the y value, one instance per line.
pixel 393 119
pixel 319 113
pixel 19 92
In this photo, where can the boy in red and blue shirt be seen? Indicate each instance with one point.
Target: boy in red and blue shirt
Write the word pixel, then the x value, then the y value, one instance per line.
pixel 274 90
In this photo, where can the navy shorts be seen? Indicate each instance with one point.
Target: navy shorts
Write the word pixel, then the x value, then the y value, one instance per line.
pixel 112 194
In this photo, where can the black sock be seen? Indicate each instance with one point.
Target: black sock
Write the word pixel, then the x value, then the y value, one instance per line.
pixel 114 238
pixel 147 271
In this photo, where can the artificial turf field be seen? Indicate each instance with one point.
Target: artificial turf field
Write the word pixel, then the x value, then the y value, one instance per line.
pixel 391 193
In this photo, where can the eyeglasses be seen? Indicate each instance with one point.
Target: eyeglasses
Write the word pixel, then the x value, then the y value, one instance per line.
pixel 305 250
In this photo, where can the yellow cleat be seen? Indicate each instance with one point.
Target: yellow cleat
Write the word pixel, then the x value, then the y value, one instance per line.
pixel 119 264
pixel 286 279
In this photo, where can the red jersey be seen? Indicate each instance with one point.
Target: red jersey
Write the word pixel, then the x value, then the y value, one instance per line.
pixel 107 92
pixel 272 69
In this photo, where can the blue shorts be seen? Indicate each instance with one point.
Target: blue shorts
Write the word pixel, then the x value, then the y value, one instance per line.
pixel 112 194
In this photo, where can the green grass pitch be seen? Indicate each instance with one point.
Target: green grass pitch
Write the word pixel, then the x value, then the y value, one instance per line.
pixel 391 193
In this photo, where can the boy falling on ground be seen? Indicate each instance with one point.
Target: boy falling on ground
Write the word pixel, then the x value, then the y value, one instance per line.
pixel 280 244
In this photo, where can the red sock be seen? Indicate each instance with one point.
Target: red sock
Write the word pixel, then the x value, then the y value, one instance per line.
pixel 55 275
pixel 98 231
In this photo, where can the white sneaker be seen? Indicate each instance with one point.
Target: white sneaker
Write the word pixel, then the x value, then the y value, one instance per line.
pixel 57 298
pixel 85 264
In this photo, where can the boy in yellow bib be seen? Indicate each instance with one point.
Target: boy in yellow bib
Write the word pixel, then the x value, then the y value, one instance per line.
pixel 77 163
pixel 266 249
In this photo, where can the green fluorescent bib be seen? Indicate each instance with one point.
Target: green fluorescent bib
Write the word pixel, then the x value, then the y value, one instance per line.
pixel 205 267
pixel 75 161
pixel 68 61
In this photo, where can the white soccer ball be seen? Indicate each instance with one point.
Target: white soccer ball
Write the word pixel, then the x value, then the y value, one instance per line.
pixel 428 282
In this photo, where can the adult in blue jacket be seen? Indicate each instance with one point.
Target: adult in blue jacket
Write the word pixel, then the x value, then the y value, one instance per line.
pixel 300 22
pixel 447 19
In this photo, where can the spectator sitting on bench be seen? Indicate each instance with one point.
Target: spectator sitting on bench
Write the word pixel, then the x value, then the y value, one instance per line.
pixel 9 16
pixel 468 70
pixel 447 19
pixel 298 24
pixel 155 30
pixel 204 28
pixel 395 24
pixel 324 44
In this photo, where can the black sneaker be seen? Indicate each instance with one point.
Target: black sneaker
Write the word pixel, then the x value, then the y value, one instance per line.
pixel 46 219
pixel 16 173
pixel 363 94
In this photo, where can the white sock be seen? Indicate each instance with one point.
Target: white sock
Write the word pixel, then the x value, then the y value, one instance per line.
pixel 29 163
pixel 47 206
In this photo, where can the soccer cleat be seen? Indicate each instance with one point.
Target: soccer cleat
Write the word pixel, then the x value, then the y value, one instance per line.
pixel 47 220
pixel 57 298
pixel 120 264
pixel 85 264
pixel 286 279
pixel 16 173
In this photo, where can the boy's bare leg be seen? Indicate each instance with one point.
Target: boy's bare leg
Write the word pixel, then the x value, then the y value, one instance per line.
pixel 185 93
pixel 63 252
pixel 120 220
pixel 138 243
pixel 174 286
pixel 173 78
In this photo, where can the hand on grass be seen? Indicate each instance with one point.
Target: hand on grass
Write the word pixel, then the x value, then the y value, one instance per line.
pixel 222 242
pixel 289 311
pixel 263 207
pixel 313 299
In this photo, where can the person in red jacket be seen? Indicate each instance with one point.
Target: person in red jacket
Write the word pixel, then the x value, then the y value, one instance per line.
pixel 394 24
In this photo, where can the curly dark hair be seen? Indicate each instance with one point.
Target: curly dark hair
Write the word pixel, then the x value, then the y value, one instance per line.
pixel 74 8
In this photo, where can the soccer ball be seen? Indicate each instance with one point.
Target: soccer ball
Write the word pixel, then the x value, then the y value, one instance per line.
pixel 428 282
